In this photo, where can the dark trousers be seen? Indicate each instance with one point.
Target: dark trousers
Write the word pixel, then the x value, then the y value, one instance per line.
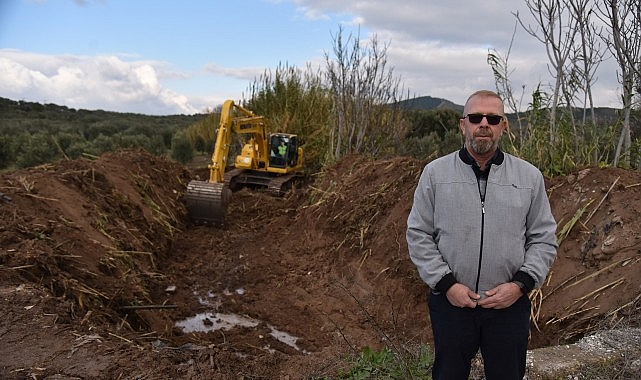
pixel 500 334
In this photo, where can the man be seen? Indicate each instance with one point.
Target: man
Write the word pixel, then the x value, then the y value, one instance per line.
pixel 482 235
pixel 282 149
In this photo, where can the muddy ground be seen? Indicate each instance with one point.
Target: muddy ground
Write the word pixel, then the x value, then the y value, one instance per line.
pixel 101 277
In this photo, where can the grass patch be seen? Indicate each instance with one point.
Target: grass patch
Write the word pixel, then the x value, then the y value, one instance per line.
pixel 388 364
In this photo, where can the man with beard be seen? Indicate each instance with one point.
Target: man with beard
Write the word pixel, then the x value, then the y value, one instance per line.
pixel 482 236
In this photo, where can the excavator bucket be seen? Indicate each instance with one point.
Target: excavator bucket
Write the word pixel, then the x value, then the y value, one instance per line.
pixel 207 202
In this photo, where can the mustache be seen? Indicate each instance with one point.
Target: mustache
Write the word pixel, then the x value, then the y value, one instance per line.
pixel 483 133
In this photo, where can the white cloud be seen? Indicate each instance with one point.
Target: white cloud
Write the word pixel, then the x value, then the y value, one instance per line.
pixel 437 48
pixel 440 48
pixel 100 82
pixel 247 74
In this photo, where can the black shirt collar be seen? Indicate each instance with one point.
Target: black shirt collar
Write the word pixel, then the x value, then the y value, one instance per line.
pixel 466 157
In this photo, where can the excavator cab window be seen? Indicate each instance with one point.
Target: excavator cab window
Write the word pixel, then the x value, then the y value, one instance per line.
pixel 283 151
pixel 278 147
pixel 292 151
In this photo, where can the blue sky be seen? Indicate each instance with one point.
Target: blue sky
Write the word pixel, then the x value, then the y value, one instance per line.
pixel 168 57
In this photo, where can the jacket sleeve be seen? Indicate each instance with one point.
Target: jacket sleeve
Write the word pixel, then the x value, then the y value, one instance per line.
pixel 421 237
pixel 540 236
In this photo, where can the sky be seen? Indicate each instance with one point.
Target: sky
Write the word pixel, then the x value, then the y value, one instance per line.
pixel 162 57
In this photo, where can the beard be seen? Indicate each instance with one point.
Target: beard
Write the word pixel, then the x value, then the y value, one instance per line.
pixel 483 146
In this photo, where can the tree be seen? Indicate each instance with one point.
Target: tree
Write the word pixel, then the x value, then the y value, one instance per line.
pixel 590 53
pixel 36 149
pixel 589 56
pixel 200 145
pixel 202 134
pixel 623 38
pixel 365 93
pixel 6 153
pixel 156 145
pixel 102 144
pixel 556 31
pixel 65 140
pixel 432 133
pixel 181 149
pixel 500 69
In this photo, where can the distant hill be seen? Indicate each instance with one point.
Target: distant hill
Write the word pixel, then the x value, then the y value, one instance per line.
pixel 429 103
pixel 603 114
pixel 18 116
pixel 10 108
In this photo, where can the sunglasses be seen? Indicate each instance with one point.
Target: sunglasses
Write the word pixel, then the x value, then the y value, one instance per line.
pixel 476 118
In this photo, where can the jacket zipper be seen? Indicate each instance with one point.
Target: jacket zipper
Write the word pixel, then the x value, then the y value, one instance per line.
pixel 478 273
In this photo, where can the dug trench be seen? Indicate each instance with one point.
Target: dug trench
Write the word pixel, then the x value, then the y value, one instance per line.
pixel 101 276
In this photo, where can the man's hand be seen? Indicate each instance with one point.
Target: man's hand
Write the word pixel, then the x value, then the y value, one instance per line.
pixel 502 296
pixel 460 295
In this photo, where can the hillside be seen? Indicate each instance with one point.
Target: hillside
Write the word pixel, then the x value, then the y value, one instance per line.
pixel 103 278
pixel 50 116
pixel 427 103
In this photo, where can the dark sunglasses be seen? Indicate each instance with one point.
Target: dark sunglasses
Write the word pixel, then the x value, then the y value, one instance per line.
pixel 478 117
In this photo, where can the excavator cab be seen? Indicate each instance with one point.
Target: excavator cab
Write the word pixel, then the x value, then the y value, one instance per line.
pixel 283 150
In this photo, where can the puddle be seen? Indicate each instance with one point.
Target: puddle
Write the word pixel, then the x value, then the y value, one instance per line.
pixel 213 321
pixel 205 322
pixel 286 338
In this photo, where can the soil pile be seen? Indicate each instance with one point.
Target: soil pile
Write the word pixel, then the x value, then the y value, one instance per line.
pixel 101 277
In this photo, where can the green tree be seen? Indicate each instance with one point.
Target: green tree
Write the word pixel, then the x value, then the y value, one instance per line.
pixel 431 133
pixel 6 153
pixel 181 149
pixel 200 145
pixel 77 148
pixel 156 145
pixel 36 149
pixel 202 134
pixel 65 140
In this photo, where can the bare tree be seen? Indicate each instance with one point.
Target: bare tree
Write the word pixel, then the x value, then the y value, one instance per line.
pixel 587 58
pixel 365 93
pixel 623 19
pixel 590 53
pixel 557 32
pixel 501 71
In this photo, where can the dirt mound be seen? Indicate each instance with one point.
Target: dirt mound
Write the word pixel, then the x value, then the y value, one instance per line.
pixel 97 262
pixel 595 279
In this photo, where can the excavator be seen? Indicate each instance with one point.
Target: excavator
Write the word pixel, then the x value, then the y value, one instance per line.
pixel 267 160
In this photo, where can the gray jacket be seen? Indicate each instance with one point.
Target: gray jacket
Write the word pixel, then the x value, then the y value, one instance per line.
pixel 453 237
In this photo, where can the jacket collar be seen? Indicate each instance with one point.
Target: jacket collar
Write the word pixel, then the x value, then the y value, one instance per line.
pixel 466 157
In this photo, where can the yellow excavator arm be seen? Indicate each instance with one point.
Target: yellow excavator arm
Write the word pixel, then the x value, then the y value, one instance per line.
pixel 248 123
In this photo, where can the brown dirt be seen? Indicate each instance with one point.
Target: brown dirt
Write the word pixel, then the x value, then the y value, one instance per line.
pixel 81 242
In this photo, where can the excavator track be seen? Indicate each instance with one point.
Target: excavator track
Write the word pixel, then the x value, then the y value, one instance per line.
pixel 276 185
pixel 207 202
pixel 279 186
